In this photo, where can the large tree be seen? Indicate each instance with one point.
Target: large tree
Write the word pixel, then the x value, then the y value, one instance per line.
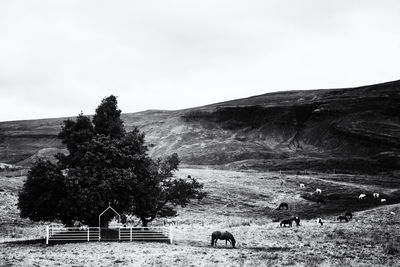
pixel 105 165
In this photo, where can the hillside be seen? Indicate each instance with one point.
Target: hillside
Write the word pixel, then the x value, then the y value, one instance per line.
pixel 355 129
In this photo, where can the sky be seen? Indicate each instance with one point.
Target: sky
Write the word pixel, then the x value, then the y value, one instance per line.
pixel 59 58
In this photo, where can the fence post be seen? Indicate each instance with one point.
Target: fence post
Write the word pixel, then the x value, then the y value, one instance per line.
pixel 47 234
pixel 131 234
pixel 119 234
pixel 99 233
pixel 88 235
pixel 170 233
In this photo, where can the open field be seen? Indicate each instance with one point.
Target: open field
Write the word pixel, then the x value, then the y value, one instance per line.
pixel 243 203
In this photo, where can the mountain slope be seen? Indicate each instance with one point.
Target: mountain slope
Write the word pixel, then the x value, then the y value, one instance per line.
pixel 354 129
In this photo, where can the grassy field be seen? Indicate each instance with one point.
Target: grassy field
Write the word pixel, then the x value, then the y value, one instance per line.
pixel 243 203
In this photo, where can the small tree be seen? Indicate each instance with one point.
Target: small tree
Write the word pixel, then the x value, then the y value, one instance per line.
pixel 42 192
pixel 105 165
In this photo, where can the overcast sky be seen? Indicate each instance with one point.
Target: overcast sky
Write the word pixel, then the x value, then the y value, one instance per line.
pixel 58 58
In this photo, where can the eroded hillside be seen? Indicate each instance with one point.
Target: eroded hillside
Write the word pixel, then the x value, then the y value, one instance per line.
pixel 356 129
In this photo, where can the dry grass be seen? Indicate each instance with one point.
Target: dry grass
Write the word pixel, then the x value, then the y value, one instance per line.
pixel 243 203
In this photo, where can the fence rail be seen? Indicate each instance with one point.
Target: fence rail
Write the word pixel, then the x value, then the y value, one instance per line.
pixel 88 234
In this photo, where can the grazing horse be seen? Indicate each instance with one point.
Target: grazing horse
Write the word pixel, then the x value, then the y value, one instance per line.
pixel 302 185
pixel 223 236
pixel 320 200
pixel 342 218
pixel 296 220
pixel 383 200
pixel 348 215
pixel 286 222
pixel 318 191
pixel 362 196
pixel 283 205
pixel 376 195
pixel 320 221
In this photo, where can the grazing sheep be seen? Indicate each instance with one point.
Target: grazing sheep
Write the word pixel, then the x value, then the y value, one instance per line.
pixel 362 196
pixel 383 200
pixel 392 213
pixel 376 195
pixel 318 191
pixel 302 185
pixel 320 221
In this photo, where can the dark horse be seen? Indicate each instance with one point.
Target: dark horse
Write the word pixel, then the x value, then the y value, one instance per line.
pixel 348 215
pixel 286 222
pixel 223 236
pixel 283 205
pixel 296 219
pixel 342 218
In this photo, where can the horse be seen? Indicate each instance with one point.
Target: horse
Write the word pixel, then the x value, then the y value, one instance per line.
pixel 348 215
pixel 362 196
pixel 282 205
pixel 286 222
pixel 296 220
pixel 376 195
pixel 223 236
pixel 320 221
pixel 320 200
pixel 302 185
pixel 318 191
pixel 342 218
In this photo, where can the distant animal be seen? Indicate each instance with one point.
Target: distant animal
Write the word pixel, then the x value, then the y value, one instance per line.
pixel 321 200
pixel 320 221
pixel 318 191
pixel 302 185
pixel 392 213
pixel 342 218
pixel 223 236
pixel 286 222
pixel 383 200
pixel 362 196
pixel 348 215
pixel 296 219
pixel 283 205
pixel 169 221
pixel 375 195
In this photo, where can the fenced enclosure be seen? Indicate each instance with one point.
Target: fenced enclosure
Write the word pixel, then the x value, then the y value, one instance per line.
pixel 60 234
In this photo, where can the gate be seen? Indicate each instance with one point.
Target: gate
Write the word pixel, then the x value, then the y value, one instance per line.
pixel 59 234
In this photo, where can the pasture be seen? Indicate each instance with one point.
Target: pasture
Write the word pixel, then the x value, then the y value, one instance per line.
pixel 243 203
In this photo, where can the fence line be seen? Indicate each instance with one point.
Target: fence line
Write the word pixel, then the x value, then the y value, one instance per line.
pixel 57 233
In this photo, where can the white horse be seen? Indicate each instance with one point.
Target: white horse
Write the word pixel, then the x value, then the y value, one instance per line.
pixel 362 196
pixel 376 195
pixel 318 191
pixel 302 185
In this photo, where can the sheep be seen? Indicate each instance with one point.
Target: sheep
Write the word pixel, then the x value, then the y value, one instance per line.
pixel 302 185
pixel 376 195
pixel 362 196
pixel 383 200
pixel 318 191
pixel 320 221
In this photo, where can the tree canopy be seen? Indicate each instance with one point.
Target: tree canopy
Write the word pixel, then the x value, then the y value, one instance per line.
pixel 105 165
